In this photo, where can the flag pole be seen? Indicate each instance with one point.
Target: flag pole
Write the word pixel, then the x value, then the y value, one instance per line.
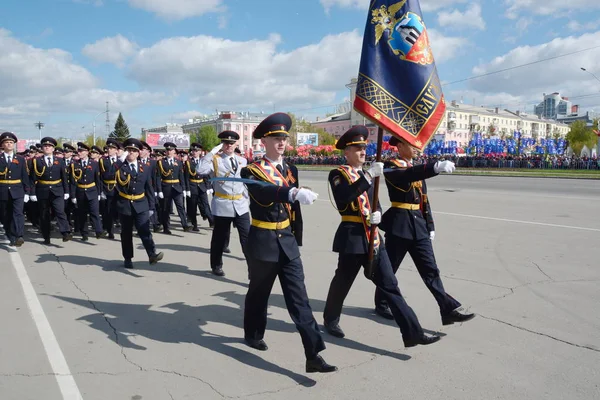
pixel 375 202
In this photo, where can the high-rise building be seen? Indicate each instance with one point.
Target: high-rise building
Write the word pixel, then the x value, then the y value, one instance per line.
pixel 553 106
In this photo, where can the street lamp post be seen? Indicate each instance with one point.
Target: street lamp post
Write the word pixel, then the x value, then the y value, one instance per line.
pixel 39 125
pixel 598 133
pixel 94 125
pixel 595 77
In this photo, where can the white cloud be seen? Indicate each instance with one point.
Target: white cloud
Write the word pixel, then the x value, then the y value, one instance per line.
pixel 459 20
pixel 115 50
pixel 575 26
pixel 446 47
pixel 561 74
pixel 426 5
pixel 175 10
pixel 548 7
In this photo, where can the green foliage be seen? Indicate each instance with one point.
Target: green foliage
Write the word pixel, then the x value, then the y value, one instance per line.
pixel 121 131
pixel 581 135
pixel 89 140
pixel 325 138
pixel 207 137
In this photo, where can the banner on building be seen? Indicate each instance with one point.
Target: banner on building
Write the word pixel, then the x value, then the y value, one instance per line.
pixel 182 140
pixel 23 144
pixel 307 139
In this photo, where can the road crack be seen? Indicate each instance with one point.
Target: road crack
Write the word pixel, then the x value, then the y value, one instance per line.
pixel 190 377
pixel 542 271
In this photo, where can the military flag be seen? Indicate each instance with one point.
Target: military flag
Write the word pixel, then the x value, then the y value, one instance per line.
pixel 398 86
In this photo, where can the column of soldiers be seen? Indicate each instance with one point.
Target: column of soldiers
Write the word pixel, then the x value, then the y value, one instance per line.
pixel 262 200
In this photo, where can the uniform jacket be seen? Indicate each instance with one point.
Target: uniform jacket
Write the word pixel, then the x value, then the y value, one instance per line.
pixel 169 176
pixel 108 171
pixel 151 165
pixel 406 185
pixel 81 179
pixel 16 172
pixel 195 182
pixel 270 203
pixel 134 191
pixel 351 237
pixel 46 180
pixel 222 206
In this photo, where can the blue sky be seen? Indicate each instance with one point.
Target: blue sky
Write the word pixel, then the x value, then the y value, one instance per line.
pixel 159 61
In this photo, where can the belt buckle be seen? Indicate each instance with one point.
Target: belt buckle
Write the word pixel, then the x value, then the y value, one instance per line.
pixel 279 225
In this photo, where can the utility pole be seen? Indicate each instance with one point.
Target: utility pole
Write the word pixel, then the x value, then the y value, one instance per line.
pixel 107 121
pixel 39 125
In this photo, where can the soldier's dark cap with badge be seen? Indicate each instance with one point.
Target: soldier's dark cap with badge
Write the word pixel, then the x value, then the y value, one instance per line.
pixel 50 141
pixel 170 146
pixel 229 137
pixel 38 146
pixel 183 152
pixel 355 136
pixel 275 125
pixel 196 146
pixel 8 136
pixel 69 147
pixel 58 150
pixel 394 141
pixel 82 146
pixel 146 145
pixel 110 142
pixel 133 144
pixel 32 148
pixel 96 149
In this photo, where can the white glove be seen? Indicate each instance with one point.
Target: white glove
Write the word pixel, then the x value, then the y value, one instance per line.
pixel 33 198
pixel 123 156
pixel 103 196
pixel 375 218
pixel 66 196
pixel 216 149
pixel 74 201
pixel 161 195
pixel 26 198
pixel 188 194
pixel 151 212
pixel 376 169
pixel 210 191
pixel 444 166
pixel 306 196
pixel 99 196
pixel 155 194
pixel 432 235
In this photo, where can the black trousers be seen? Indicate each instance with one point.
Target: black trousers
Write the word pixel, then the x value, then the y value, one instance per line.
pixel 12 217
pixel 177 198
pixel 53 204
pixel 156 218
pixel 69 211
pixel 109 214
pixel 349 266
pixel 87 207
pixel 421 252
pixel 199 201
pixel 32 213
pixel 291 277
pixel 141 222
pixel 220 236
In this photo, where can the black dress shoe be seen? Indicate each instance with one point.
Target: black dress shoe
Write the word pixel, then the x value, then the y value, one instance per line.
pixel 226 250
pixel 46 241
pixel 187 228
pixel 156 229
pixel 128 264
pixel 317 364
pixel 334 330
pixel 67 236
pixel 19 242
pixel 195 229
pixel 257 344
pixel 424 340
pixel 84 238
pixel 384 312
pixel 166 231
pixel 156 258
pixel 100 234
pixel 111 236
pixel 456 316
pixel 218 271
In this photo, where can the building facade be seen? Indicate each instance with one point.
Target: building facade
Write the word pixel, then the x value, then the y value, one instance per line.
pixel 553 106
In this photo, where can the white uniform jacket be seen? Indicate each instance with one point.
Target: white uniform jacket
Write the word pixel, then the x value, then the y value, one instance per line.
pixel 228 197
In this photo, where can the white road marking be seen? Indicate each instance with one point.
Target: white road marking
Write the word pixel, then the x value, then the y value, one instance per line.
pixel 58 363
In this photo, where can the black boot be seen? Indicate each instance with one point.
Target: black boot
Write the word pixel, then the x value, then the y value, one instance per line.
pixel 317 364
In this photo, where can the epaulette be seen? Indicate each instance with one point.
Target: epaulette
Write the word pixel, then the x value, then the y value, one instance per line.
pixel 399 163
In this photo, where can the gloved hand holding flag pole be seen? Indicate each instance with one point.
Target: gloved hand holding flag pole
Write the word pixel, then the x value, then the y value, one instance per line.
pixel 398 87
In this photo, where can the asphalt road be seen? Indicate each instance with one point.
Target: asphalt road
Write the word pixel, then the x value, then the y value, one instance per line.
pixel 519 252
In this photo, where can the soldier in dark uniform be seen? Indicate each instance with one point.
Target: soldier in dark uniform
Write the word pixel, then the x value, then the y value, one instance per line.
pixel 108 168
pixel 85 192
pixel 135 203
pixel 95 153
pixel 68 159
pixel 30 209
pixel 50 189
pixel 197 185
pixel 409 228
pixel 151 165
pixel 15 187
pixel 171 188
pixel 272 246
pixel 353 192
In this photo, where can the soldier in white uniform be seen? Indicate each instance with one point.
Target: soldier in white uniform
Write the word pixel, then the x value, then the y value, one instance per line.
pixel 230 199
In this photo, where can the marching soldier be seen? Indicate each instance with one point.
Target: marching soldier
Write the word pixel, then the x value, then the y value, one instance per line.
pixel 15 187
pixel 95 153
pixel 197 186
pixel 85 192
pixel 272 247
pixel 50 189
pixel 151 165
pixel 171 188
pixel 68 159
pixel 353 191
pixel 409 228
pixel 108 168
pixel 230 202
pixel 30 209
pixel 135 203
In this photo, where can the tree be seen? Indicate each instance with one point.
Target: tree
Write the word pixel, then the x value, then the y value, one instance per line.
pixel 325 138
pixel 89 140
pixel 121 131
pixel 579 136
pixel 207 137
